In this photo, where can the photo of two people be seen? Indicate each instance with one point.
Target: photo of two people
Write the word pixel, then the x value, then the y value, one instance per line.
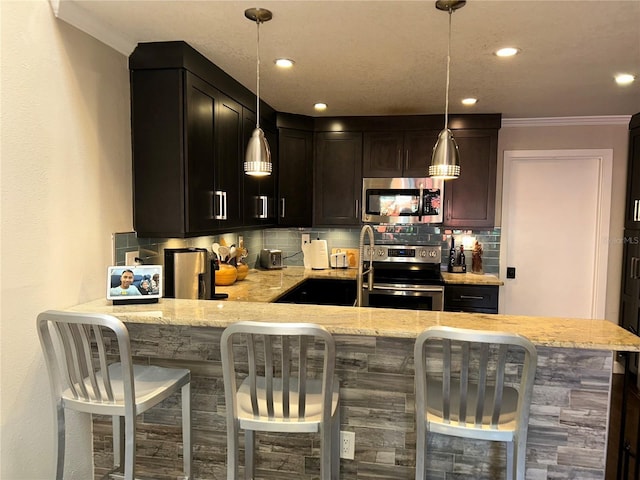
pixel 137 281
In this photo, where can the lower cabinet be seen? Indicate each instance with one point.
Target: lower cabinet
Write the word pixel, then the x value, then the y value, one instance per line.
pixel 471 298
pixel 322 292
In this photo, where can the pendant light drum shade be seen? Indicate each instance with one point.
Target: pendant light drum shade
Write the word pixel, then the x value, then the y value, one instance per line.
pixel 257 160
pixel 445 161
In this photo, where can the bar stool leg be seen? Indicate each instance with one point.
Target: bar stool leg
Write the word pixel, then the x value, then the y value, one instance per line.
pixel 59 440
pixel 187 450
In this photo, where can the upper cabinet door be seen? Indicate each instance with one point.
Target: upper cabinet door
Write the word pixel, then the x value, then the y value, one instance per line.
pixel 470 199
pixel 632 218
pixel 296 178
pixel 338 178
pixel 419 148
pixel 228 163
pixel 199 156
pixel 397 154
pixel 383 154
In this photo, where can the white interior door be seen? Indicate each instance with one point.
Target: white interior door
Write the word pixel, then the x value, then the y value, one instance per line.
pixel 555 225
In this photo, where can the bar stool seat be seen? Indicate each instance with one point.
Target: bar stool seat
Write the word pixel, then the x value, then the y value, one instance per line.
pixel 77 353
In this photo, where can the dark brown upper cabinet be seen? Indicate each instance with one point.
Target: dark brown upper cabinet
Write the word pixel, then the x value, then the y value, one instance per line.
pixel 338 178
pixel 296 178
pixel 632 217
pixel 188 144
pixel 470 200
pixel 397 154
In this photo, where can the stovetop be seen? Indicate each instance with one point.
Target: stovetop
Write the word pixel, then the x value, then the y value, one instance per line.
pixel 406 264
pixel 410 254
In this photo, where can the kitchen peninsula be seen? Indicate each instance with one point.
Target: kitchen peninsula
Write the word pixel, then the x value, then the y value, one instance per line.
pixel 569 414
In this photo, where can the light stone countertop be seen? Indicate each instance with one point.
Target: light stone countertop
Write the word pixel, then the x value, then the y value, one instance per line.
pixel 543 331
pixel 268 285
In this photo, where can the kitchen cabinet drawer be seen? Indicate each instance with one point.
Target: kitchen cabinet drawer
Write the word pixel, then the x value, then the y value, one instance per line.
pixel 471 298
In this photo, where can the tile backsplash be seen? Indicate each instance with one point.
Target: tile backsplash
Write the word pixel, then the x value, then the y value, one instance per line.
pixel 289 241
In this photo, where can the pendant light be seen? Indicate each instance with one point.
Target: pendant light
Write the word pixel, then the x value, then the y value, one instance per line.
pixel 257 160
pixel 445 161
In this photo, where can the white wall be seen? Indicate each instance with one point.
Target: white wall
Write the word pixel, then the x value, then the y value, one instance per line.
pixel 66 186
pixel 614 137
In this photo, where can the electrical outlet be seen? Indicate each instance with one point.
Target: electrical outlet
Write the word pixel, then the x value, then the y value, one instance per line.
pixel 347 445
pixel 306 238
pixel 130 257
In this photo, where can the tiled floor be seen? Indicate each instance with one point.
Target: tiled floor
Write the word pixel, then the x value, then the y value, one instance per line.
pixel 632 419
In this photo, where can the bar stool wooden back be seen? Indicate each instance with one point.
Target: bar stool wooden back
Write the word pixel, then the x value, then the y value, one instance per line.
pixel 85 376
pixel 474 384
pixel 287 384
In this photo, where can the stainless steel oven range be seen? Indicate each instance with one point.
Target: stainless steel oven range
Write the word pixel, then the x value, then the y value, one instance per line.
pixel 405 276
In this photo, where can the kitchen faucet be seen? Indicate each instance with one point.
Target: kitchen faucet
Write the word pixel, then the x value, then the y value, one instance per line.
pixel 361 273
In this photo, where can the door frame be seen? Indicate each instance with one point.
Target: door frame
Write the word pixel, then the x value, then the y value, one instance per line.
pixel 601 257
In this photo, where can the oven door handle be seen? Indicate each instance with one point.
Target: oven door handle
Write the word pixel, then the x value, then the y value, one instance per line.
pixel 410 288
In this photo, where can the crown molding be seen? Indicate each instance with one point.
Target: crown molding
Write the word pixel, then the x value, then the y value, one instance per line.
pixel 566 121
pixel 69 12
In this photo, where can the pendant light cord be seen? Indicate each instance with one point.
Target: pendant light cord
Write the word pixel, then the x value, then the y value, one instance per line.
pixel 446 102
pixel 258 77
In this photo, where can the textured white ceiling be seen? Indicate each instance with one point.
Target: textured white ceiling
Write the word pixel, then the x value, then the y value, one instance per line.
pixel 389 57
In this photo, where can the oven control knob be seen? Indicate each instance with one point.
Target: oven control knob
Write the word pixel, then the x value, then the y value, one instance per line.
pixel 381 252
pixel 433 254
pixel 423 253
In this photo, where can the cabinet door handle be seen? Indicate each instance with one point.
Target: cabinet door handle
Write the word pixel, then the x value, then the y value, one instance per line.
pixel 636 210
pixel 633 274
pixel 282 205
pixel 218 208
pixel 448 209
pixel 471 297
pixel 406 160
pixel 221 212
pixel 357 209
pixel 262 199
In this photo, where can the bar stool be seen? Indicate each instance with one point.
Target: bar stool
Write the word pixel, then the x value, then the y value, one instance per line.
pixel 83 379
pixel 469 393
pixel 280 393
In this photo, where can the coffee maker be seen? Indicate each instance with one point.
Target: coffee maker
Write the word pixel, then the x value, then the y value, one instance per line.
pixel 189 273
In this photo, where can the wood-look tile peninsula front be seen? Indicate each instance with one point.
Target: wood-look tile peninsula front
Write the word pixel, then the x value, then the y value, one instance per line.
pixel 569 414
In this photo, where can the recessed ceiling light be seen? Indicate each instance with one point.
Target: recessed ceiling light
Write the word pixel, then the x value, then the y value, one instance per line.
pixel 624 78
pixel 507 52
pixel 284 62
pixel 320 106
pixel 469 101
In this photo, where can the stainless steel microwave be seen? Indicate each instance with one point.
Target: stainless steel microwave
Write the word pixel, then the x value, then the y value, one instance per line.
pixel 402 200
